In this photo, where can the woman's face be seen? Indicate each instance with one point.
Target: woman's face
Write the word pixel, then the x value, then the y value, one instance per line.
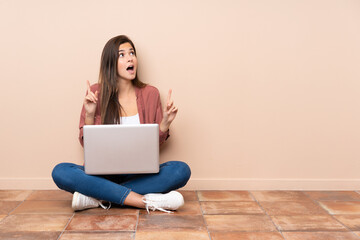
pixel 127 62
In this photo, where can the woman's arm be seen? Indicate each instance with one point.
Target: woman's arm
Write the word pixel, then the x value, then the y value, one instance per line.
pixel 88 111
pixel 169 113
pixel 164 116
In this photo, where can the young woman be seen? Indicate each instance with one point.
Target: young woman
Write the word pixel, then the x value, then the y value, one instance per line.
pixel 121 98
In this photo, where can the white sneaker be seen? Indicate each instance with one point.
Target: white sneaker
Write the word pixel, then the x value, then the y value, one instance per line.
pixel 81 202
pixel 158 201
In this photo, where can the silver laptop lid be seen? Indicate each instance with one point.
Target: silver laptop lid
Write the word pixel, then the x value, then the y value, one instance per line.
pixel 121 149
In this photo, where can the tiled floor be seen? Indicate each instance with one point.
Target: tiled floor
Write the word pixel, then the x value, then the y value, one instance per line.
pixel 216 215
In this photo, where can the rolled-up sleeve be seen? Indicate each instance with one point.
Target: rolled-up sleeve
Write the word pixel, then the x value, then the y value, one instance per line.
pixel 81 126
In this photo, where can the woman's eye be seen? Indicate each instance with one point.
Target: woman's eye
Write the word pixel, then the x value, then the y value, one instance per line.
pixel 121 55
pixel 132 53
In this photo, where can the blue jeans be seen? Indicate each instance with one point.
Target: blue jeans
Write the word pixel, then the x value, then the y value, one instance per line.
pixel 115 188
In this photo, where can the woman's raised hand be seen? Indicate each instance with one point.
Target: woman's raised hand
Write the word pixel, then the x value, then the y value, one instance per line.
pixel 169 113
pixel 90 101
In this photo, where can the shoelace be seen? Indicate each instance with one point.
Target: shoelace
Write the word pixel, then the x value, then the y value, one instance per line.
pixel 104 207
pixel 153 206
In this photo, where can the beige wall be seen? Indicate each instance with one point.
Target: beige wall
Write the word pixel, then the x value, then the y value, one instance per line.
pixel 268 91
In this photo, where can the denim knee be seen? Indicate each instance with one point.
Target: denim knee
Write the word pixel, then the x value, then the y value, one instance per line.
pixel 56 172
pixel 181 173
pixel 60 176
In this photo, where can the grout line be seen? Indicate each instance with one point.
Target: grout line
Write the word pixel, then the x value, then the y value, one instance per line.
pixel 10 213
pixel 21 202
pixel 355 235
pixel 252 196
pixel 32 191
pixel 202 214
pixel 137 223
pixel 67 224
pixel 279 231
pixel 331 215
pixel 197 196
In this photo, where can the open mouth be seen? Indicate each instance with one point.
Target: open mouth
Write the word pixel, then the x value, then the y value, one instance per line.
pixel 130 68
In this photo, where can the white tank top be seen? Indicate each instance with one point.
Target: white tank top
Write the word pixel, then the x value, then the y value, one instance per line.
pixel 131 120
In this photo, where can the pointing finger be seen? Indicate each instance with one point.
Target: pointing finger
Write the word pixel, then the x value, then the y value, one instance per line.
pixel 169 96
pixel 88 86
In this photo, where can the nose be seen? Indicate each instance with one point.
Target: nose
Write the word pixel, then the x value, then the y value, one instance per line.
pixel 130 58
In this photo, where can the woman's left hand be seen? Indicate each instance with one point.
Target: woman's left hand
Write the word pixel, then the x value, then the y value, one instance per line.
pixel 169 113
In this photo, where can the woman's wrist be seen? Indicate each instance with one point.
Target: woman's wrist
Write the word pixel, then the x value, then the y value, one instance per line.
pixel 89 115
pixel 164 127
pixel 89 119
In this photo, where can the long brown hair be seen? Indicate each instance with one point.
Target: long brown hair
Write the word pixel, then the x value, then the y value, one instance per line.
pixel 109 102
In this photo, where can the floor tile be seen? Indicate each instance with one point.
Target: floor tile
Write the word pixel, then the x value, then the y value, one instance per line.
pixel 307 223
pixel 102 223
pixel 189 195
pixel 111 211
pixel 97 235
pixel 46 207
pixel 350 221
pixel 170 222
pixel 246 236
pixel 43 214
pixel 224 196
pixel 319 236
pixel 190 208
pixel 49 195
pixel 280 196
pixel 14 195
pixel 7 206
pixel 29 235
pixel 166 235
pixel 292 208
pixel 231 208
pixel 341 207
pixel 34 222
pixel 333 195
pixel 250 223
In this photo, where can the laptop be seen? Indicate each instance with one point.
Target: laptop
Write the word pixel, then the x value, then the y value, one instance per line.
pixel 121 149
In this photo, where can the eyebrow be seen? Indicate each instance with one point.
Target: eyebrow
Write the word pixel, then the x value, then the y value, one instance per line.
pixel 130 49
